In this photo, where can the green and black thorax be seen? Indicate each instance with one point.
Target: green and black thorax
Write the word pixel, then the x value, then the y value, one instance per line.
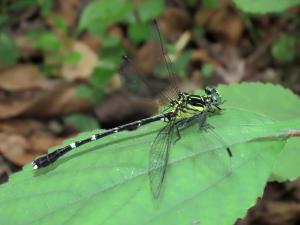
pixel 188 105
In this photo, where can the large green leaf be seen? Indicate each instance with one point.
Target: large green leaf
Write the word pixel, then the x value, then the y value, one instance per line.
pixel 9 52
pixel 104 12
pixel 264 6
pixel 106 182
pixel 275 102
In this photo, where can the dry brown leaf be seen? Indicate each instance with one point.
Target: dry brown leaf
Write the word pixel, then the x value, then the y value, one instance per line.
pixel 40 142
pixel 27 49
pixel 294 188
pixel 69 10
pixel 202 56
pixel 58 100
pixel 233 67
pixel 14 106
pixel 174 22
pixel 92 41
pixel 127 105
pixel 217 21
pixel 13 147
pixel 147 58
pixel 22 77
pixel 276 213
pixel 23 139
pixel 21 126
pixel 21 149
pixel 82 70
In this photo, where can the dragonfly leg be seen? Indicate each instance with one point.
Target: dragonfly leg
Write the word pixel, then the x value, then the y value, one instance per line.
pixel 177 133
pixel 203 125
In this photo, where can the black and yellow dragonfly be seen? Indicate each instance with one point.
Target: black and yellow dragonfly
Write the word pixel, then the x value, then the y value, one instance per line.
pixel 183 109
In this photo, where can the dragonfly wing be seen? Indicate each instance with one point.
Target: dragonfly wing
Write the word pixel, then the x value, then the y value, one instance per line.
pixel 158 158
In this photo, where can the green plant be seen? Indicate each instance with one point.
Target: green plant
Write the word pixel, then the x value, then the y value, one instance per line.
pixel 98 15
pixel 9 11
pixel 107 182
pixel 283 48
pixel 9 52
pixel 81 122
pixel 264 6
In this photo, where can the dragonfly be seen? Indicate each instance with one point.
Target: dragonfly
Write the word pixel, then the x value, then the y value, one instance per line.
pixel 185 108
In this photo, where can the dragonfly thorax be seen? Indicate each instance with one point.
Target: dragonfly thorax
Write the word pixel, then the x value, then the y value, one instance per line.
pixel 188 105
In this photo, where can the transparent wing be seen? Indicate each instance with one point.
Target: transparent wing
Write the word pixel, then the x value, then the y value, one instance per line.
pixel 201 120
pixel 158 158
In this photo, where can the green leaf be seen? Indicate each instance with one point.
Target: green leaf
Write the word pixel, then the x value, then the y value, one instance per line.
pixel 182 62
pixel 283 48
pixel 207 70
pixel 211 4
pixel 101 76
pixel 107 180
pixel 82 122
pixel 264 6
pixel 72 58
pixel 92 94
pixel 4 18
pixel 60 23
pixel 47 41
pixel 139 32
pixel 110 57
pixel 9 52
pixel 110 41
pixel 104 12
pixel 198 32
pixel 46 6
pixel 84 91
pixel 19 5
pixel 283 108
pixel 151 9
pixel 287 165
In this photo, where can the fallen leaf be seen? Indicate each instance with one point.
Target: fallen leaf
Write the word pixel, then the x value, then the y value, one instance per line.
pixel 174 22
pixel 59 98
pixel 69 10
pixel 217 21
pixel 22 140
pixel 128 106
pixel 22 77
pixel 87 63
pixel 202 56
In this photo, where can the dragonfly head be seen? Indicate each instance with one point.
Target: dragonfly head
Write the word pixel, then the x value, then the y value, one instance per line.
pixel 214 96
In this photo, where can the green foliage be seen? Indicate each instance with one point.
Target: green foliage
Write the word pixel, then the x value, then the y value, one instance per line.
pixel 59 23
pixel 265 6
pixel 106 181
pixel 181 63
pixel 207 70
pixel 82 122
pixel 283 48
pixel 91 93
pixel 198 32
pixel 284 108
pixel 111 53
pixel 47 41
pixel 72 58
pixel 45 6
pixel 104 12
pixel 84 91
pixel 101 76
pixel 17 5
pixel 150 9
pixel 139 32
pixel 9 52
pixel 211 4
